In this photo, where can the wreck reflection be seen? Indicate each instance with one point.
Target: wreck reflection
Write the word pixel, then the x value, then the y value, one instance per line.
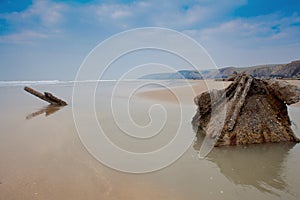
pixel 48 110
pixel 260 165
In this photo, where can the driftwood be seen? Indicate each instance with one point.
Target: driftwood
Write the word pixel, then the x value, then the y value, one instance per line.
pixel 53 100
pixel 255 112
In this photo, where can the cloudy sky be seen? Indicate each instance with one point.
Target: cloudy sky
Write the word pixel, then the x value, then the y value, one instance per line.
pixel 48 39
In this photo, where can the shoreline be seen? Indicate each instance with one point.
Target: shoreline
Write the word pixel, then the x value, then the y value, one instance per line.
pixel 186 94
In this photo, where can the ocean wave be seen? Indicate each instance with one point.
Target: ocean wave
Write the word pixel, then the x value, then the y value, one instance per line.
pixel 68 83
pixel 46 82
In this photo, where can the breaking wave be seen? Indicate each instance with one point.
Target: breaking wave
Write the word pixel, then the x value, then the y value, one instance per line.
pixel 46 82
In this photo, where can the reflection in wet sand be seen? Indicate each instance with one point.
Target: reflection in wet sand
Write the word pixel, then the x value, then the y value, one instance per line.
pixel 48 110
pixel 258 165
pixel 43 158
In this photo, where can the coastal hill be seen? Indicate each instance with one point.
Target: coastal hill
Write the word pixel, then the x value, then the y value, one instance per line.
pixel 182 74
pixel 290 71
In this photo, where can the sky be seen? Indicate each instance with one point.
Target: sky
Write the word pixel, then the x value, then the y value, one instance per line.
pixel 49 39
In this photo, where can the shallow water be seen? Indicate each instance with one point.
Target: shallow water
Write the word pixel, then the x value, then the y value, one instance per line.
pixel 42 156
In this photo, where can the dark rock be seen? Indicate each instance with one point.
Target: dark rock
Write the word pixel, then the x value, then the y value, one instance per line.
pixel 248 111
pixel 232 77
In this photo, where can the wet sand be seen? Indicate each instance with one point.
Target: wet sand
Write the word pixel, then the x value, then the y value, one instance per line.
pixel 42 157
pixel 188 93
pixel 297 83
pixel 184 94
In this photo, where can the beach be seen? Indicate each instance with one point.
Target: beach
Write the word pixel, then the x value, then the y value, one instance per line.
pixel 42 155
pixel 166 95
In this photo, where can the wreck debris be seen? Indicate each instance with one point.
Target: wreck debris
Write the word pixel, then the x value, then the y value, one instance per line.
pixel 50 98
pixel 256 112
pixel 238 100
pixel 232 77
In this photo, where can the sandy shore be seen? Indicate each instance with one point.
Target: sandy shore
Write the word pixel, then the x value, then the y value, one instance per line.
pixel 42 156
pixel 186 94
pixel 297 83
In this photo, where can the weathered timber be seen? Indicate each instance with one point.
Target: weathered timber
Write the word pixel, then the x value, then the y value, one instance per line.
pixel 50 98
pixel 255 112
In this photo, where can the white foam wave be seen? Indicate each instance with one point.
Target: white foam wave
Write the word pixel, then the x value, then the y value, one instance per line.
pixel 47 82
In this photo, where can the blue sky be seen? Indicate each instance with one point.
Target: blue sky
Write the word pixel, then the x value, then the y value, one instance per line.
pixel 48 39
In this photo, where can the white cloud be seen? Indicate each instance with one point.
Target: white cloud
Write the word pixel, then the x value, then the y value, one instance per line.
pixel 177 15
pixel 120 14
pixel 45 12
pixel 242 41
pixel 49 17
pixel 24 37
pixel 40 20
pixel 112 11
pixel 171 14
pixel 262 28
pixel 211 22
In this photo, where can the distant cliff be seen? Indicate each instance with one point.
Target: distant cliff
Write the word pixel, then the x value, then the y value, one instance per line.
pixel 183 74
pixel 290 70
